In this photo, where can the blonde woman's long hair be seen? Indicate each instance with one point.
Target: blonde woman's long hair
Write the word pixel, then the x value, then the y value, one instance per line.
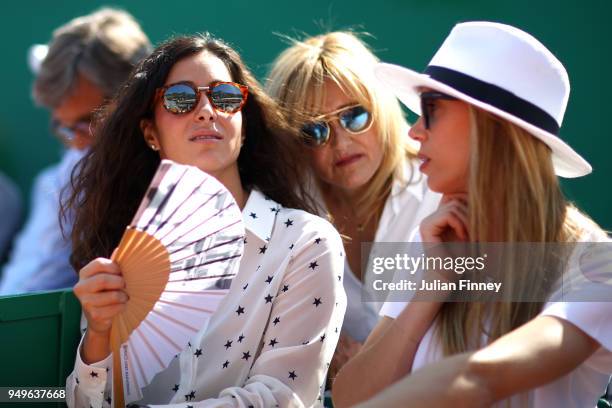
pixel 513 196
pixel 297 81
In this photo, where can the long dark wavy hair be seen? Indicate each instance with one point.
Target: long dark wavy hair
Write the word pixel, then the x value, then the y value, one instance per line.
pixel 108 184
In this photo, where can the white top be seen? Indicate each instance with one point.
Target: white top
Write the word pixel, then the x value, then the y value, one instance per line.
pixel 581 387
pixel 404 210
pixel 273 336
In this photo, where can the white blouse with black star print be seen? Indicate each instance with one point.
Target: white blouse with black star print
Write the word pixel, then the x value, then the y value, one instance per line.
pixel 270 342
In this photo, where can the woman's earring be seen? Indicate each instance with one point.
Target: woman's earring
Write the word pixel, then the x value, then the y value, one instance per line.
pixel 154 147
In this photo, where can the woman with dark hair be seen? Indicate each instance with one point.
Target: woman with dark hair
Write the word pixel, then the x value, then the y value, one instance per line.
pixel 269 342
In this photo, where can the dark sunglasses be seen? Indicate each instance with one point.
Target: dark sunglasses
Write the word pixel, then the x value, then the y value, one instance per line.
pixel 355 119
pixel 68 133
pixel 428 105
pixel 183 97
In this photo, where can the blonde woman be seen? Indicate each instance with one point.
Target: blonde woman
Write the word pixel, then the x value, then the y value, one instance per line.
pixel 364 169
pixel 491 103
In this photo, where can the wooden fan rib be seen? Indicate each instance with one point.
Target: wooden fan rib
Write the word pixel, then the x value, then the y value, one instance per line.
pixel 124 244
pixel 130 318
pixel 155 269
pixel 141 247
pixel 134 361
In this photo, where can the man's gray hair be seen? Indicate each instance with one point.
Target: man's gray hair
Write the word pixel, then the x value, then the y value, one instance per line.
pixel 103 46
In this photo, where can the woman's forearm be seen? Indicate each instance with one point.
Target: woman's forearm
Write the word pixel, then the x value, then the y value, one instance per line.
pixel 535 354
pixel 95 347
pixel 386 359
pixel 449 382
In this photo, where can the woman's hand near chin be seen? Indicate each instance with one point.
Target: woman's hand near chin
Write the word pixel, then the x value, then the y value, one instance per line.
pixel 449 223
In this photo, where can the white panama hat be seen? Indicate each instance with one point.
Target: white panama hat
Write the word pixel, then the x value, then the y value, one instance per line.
pixel 500 69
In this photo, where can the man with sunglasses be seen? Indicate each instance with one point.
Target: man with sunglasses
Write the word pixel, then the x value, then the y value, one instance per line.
pixel 86 61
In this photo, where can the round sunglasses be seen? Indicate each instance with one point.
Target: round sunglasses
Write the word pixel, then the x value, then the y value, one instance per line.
pixel 183 97
pixel 355 119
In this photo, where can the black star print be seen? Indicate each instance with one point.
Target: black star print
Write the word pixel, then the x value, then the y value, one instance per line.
pixel 291 247
pixel 93 374
pixel 269 280
pixel 240 310
pixel 313 265
pixel 273 342
pixel 336 330
pixel 77 380
pixel 317 302
pixel 285 288
pixel 289 222
pixel 246 356
pixel 245 240
pixel 318 241
pixel 272 209
pixel 108 400
pixel 245 286
pixel 262 250
pixel 189 343
pixel 226 364
pixel 228 344
pixel 292 375
pixel 268 299
pixel 240 338
pixel 322 338
pixel 190 396
pixel 276 321
pixel 253 215
pixel 175 388
pixel 198 353
pixel 305 342
pixel 189 406
pixel 107 369
pixel 339 278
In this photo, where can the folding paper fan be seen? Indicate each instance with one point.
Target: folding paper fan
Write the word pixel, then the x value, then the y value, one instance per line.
pixel 177 257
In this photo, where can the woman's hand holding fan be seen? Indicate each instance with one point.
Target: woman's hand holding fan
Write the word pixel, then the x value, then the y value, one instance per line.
pixel 177 258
